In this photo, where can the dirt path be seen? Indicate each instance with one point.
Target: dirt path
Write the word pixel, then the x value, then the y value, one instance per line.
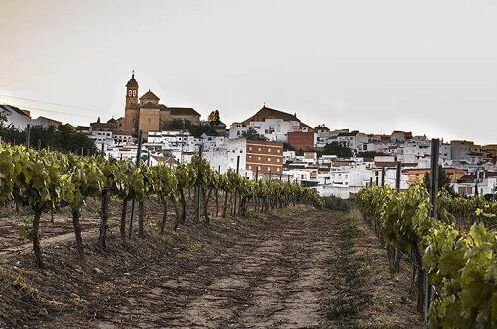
pixel 318 269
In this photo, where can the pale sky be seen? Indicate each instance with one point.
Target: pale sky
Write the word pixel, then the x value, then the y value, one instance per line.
pixel 429 66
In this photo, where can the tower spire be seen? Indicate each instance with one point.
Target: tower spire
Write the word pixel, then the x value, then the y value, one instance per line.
pixel 133 74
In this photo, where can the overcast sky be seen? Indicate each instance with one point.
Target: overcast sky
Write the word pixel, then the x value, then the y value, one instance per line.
pixel 429 66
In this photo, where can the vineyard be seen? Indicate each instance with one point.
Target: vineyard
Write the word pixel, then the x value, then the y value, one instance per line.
pixel 205 249
pixel 453 256
pixel 44 181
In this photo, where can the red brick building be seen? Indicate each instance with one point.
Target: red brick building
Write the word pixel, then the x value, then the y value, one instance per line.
pixel 265 156
pixel 302 140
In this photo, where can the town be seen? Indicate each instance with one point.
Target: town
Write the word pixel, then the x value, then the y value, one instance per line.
pixel 273 144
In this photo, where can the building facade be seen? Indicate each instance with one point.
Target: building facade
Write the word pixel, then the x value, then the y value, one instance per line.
pixel 146 113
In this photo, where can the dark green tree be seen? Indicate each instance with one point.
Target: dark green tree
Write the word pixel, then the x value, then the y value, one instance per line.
pixel 251 133
pixel 370 154
pixel 193 129
pixel 62 138
pixel 443 180
pixel 335 148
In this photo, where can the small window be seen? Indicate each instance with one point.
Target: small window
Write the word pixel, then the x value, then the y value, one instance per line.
pixel 250 148
pixel 250 167
pixel 269 149
pixel 258 158
pixel 259 167
pixel 278 169
pixel 278 160
pixel 278 151
pixel 134 92
pixel 268 159
pixel 260 149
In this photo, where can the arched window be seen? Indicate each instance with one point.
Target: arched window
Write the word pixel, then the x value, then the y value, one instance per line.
pixel 129 92
pixel 134 92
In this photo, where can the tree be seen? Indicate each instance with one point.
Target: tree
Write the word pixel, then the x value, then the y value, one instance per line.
pixel 63 138
pixel 251 133
pixel 193 129
pixel 335 148
pixel 443 181
pixel 3 119
pixel 370 154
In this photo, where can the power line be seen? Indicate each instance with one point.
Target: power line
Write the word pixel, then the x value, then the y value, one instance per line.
pixel 52 103
pixel 58 112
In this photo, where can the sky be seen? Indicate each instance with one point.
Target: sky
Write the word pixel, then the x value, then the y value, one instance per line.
pixel 427 66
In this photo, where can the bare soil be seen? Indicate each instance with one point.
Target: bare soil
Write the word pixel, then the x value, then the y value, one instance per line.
pixel 299 268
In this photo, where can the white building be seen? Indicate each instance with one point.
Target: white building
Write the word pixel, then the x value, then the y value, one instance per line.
pixel 212 141
pixel 16 117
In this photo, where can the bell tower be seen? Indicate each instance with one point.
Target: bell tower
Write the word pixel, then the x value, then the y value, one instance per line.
pixel 131 91
pixel 131 110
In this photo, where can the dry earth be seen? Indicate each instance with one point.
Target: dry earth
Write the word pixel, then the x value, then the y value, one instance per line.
pixel 301 268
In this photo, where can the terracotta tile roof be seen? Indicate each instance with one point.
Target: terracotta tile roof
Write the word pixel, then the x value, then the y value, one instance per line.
pixel 149 95
pixel 182 111
pixel 268 113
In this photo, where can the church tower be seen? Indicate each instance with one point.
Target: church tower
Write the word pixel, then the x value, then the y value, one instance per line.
pixel 132 108
pixel 131 91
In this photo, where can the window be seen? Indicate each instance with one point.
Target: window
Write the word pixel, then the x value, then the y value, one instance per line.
pixel 250 167
pixel 259 158
pixel 278 169
pixel 278 160
pixel 259 149
pixel 134 92
pixel 269 150
pixel 129 92
pixel 259 167
pixel 278 151
pixel 268 159
pixel 250 148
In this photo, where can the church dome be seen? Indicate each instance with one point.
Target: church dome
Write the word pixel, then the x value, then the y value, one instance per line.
pixel 132 82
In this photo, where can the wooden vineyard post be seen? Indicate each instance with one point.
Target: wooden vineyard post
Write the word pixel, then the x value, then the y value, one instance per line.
pixel 397 176
pixel 28 136
pixel 138 158
pixel 435 150
pixel 198 187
